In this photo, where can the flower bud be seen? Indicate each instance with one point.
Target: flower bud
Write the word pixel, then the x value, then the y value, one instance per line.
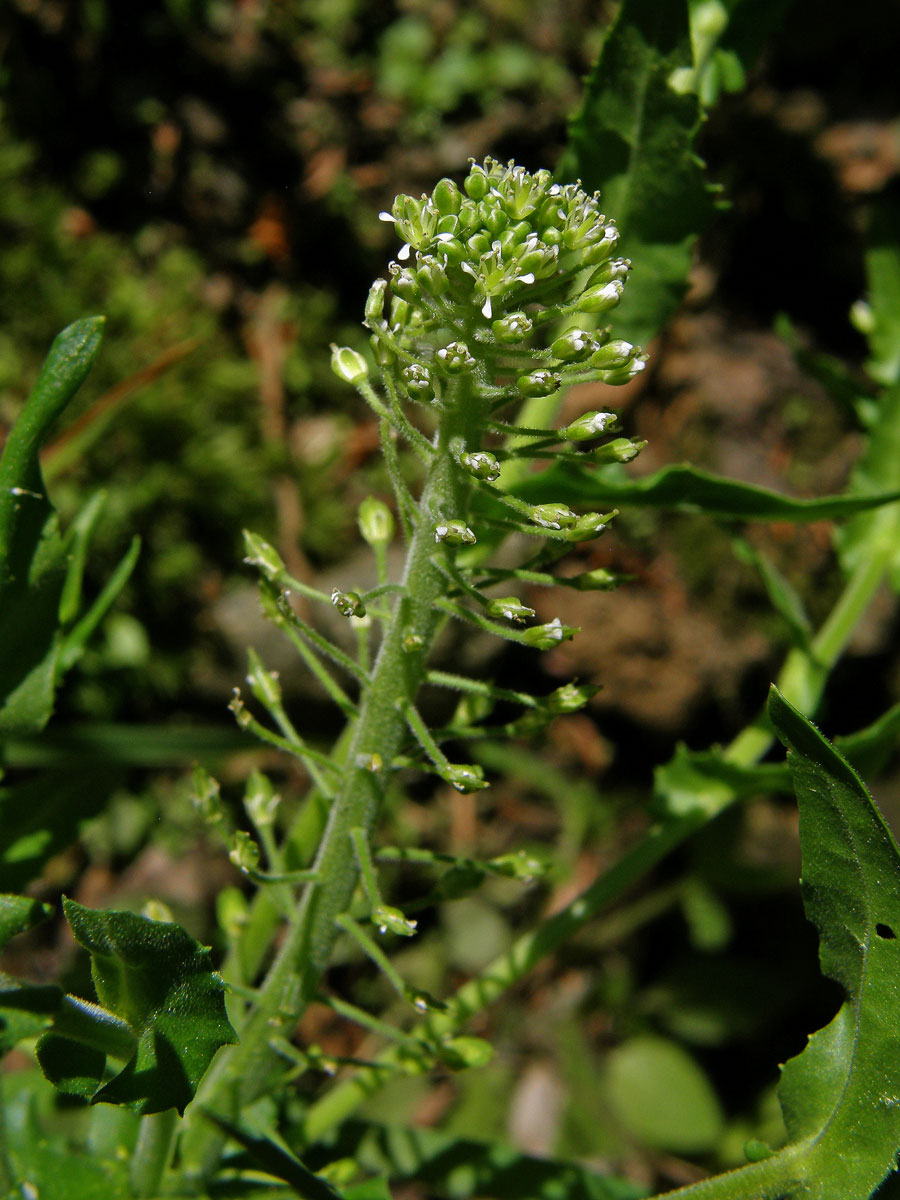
pixel 520 864
pixel 476 183
pixel 393 920
pixel 348 364
pixel 588 425
pixel 262 556
pixel 447 197
pixel 263 684
pixel 455 358
pixel 463 1053
pixel 545 637
pixel 482 464
pixel 600 299
pixel 244 852
pixel 405 284
pixel 412 641
pixel 454 533
pixel 538 383
pixel 261 801
pixel 510 608
pixel 621 450
pixel 615 354
pixel 589 526
pixel 432 277
pixel 376 522
pixel 570 697
pixel 205 794
pixel 419 385
pixel 553 516
pixel 573 346
pixel 479 243
pixel 375 301
pixel 348 604
pixel 617 377
pixel 465 777
pixel 512 328
pixel 598 580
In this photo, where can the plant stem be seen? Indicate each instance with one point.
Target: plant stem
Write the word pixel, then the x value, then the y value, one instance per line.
pixel 152 1152
pixel 240 1075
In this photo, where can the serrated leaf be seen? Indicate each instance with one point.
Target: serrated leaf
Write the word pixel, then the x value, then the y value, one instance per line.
pixel 32 554
pixel 633 140
pixel 840 1096
pixel 688 489
pixel 154 976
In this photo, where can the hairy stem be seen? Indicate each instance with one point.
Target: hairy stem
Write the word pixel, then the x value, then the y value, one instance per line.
pixel 240 1075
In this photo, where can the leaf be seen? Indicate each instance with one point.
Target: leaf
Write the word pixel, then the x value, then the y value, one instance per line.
pixel 157 978
pixel 869 749
pixel 782 595
pixel 277 1161
pixel 883 286
pixel 688 489
pixel 727 37
pixel 704 782
pixel 661 1095
pixel 32 554
pixel 19 913
pixel 876 534
pixel 841 1096
pixel 460 1167
pixel 633 140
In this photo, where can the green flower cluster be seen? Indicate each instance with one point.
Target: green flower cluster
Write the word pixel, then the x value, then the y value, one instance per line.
pixel 482 268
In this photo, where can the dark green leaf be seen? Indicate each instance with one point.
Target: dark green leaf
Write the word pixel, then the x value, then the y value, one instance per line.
pixel 32 554
pixel 70 1066
pixel 840 1096
pixel 18 913
pixel 633 140
pixel 25 1009
pixel 688 489
pixel 876 535
pixel 278 1161
pixel 783 597
pixel 462 1167
pixel 157 978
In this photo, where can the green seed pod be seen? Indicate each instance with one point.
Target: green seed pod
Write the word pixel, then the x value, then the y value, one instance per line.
pixel 348 604
pixel 348 364
pixel 412 642
pixel 455 358
pixel 512 328
pixel 553 516
pixel 381 351
pixel 263 684
pixel 545 637
pixel 261 801
pixel 573 346
pixel 454 533
pixel 465 777
pixel 510 608
pixel 244 852
pixel 418 382
pixel 376 522
pixel 538 383
pixel 447 197
pixel 482 464
pixel 598 580
pixel 589 425
pixel 521 864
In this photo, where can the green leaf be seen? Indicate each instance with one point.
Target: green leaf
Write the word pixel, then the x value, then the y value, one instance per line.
pixel 840 1096
pixel 460 1167
pixel 876 534
pixel 277 1161
pixel 661 1095
pixel 869 749
pixel 32 554
pixel 688 489
pixel 783 597
pixel 633 140
pixel 19 913
pixel 727 37
pixel 25 1009
pixel 157 978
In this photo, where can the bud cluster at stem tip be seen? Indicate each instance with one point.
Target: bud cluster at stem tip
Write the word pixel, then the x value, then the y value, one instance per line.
pixel 489 263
